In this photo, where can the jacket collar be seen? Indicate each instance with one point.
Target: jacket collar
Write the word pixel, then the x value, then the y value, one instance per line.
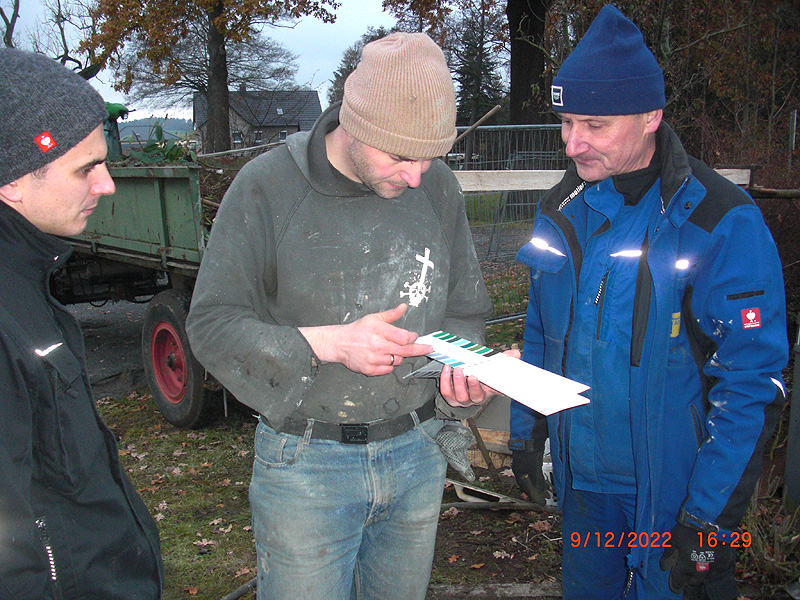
pixel 675 172
pixel 675 168
pixel 27 250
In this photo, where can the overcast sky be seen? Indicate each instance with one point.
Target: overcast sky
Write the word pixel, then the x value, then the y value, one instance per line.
pixel 319 46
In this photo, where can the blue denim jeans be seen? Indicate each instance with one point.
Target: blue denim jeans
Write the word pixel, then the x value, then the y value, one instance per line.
pixel 339 521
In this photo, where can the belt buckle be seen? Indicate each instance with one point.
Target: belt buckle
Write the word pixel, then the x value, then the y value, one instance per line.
pixel 355 434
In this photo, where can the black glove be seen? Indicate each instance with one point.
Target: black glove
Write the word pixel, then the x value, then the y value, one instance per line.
pixel 527 468
pixel 693 562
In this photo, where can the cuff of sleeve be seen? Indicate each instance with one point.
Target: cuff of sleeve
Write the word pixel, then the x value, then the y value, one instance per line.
pixel 695 522
pixel 455 413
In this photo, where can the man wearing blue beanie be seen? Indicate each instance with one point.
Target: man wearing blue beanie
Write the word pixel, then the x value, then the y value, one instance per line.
pixel 655 281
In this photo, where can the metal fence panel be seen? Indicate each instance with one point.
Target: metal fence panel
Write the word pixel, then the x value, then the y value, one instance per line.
pixel 501 222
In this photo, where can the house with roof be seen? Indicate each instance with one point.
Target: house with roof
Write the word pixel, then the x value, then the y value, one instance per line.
pixel 261 117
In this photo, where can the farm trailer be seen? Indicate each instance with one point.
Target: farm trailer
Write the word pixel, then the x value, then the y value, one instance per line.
pixel 147 240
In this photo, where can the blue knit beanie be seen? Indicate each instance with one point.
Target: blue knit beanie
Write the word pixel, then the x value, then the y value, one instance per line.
pixel 610 72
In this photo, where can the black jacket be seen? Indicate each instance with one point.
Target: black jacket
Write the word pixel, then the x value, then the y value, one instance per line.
pixel 71 525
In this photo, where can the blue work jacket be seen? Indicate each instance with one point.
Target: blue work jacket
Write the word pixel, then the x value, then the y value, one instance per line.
pixel 685 357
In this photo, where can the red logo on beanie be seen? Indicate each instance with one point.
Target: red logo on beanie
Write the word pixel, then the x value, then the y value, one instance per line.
pixel 45 141
pixel 751 318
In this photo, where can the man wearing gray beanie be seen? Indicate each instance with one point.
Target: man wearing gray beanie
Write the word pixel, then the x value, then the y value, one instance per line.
pixel 655 281
pixel 71 524
pixel 327 258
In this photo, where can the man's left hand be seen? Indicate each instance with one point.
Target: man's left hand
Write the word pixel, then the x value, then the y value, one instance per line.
pixel 460 391
pixel 691 560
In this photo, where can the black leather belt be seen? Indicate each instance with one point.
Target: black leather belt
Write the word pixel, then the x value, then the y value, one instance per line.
pixel 358 433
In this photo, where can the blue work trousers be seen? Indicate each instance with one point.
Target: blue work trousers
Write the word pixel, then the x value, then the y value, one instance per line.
pixel 596 531
pixel 337 521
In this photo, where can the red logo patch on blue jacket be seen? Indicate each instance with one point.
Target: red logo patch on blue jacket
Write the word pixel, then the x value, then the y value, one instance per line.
pixel 751 318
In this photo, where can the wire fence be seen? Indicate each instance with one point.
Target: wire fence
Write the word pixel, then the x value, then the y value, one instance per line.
pixel 501 222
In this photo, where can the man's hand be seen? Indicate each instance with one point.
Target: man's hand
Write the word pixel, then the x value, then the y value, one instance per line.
pixel 460 391
pixel 370 346
pixel 691 560
pixel 527 468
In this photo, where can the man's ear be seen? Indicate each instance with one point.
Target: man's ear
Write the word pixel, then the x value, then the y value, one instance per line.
pixel 653 120
pixel 11 193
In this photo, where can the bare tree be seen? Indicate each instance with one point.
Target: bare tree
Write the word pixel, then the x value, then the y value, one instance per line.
pixel 58 31
pixel 257 63
pixel 10 21
pixel 526 24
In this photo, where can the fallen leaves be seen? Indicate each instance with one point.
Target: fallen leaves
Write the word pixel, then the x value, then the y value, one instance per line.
pixel 204 542
pixel 195 495
pixel 205 545
pixel 541 526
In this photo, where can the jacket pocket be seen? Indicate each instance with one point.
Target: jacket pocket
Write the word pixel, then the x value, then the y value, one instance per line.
pixel 542 258
pixel 68 436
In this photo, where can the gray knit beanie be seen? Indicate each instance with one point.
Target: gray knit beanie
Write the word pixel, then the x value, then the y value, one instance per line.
pixel 400 98
pixel 45 110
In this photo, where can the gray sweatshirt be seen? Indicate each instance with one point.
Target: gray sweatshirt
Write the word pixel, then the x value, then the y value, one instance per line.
pixel 297 244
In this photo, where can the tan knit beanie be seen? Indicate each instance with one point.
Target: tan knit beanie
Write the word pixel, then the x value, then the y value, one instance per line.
pixel 400 98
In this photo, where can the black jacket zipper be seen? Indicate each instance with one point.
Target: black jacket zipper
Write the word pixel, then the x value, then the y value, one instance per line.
pixel 44 536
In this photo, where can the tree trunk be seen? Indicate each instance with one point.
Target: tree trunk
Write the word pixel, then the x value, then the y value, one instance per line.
pixel 11 22
pixel 218 124
pixel 529 102
pixel 476 89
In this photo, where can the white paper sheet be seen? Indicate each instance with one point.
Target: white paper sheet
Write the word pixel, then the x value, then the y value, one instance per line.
pixel 541 390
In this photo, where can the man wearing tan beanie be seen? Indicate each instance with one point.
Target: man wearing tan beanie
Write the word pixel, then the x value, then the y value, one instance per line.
pixel 327 259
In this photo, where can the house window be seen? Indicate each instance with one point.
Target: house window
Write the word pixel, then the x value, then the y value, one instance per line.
pixel 280 111
pixel 258 136
pixel 237 139
pixel 282 135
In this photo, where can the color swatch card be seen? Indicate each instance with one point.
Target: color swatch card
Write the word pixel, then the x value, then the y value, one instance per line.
pixel 541 390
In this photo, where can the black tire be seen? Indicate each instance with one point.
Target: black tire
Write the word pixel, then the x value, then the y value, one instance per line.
pixel 173 373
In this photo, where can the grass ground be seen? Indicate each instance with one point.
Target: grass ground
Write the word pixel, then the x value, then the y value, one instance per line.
pixel 195 484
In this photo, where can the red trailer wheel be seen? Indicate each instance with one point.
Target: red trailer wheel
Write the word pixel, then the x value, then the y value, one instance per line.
pixel 173 373
pixel 168 362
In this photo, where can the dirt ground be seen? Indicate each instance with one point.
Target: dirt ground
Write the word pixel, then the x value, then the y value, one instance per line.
pixel 480 546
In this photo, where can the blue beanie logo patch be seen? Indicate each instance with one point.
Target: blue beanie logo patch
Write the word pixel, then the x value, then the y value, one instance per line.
pixel 556 95
pixel 45 141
